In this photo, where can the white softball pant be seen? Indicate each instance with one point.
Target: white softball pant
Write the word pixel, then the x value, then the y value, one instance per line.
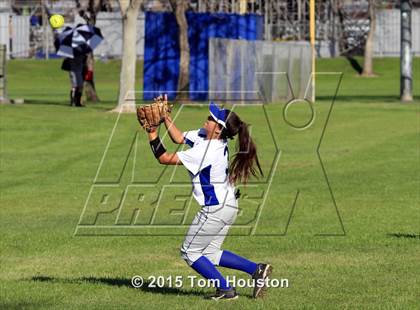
pixel 208 231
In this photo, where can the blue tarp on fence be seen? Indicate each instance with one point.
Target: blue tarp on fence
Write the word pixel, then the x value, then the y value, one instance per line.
pixel 161 48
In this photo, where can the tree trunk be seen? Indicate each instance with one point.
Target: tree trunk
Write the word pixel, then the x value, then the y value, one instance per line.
pixel 126 96
pixel 180 7
pixel 368 59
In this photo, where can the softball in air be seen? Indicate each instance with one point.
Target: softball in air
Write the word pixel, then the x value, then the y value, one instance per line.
pixel 57 21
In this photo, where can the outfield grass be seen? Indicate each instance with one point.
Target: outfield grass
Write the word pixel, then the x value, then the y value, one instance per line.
pixel 50 154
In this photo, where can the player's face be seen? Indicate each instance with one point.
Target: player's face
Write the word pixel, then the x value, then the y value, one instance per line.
pixel 211 126
pixel 210 123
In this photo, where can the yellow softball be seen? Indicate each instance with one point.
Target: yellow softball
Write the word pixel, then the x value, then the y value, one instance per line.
pixel 57 21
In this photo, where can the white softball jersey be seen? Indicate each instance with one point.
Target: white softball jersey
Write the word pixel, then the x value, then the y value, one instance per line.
pixel 208 162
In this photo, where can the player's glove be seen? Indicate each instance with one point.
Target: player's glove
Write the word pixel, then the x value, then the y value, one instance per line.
pixel 150 116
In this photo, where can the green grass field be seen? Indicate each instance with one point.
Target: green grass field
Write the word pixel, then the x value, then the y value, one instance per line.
pixel 50 154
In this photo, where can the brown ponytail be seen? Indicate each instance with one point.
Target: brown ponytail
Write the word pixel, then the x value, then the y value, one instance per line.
pixel 246 158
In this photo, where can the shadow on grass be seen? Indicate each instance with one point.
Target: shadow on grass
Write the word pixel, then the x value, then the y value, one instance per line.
pixel 48 102
pixel 119 282
pixel 404 235
pixel 105 105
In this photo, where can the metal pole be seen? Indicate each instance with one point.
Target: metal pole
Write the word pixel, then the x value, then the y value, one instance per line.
pixel 312 40
pixel 406 57
pixel 44 28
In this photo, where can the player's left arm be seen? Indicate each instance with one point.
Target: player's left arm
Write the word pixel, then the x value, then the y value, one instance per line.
pixel 175 134
pixel 160 152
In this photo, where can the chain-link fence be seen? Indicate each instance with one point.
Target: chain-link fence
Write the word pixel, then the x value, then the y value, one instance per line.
pixel 262 71
pixel 341 25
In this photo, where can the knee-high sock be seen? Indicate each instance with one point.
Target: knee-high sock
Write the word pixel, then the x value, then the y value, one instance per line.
pixel 233 261
pixel 206 268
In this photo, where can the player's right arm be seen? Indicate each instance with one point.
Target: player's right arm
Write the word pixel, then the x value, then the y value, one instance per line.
pixel 192 158
pixel 159 150
pixel 175 134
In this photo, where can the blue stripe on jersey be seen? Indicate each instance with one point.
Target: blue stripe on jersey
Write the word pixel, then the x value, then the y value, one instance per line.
pixel 202 133
pixel 189 142
pixel 210 198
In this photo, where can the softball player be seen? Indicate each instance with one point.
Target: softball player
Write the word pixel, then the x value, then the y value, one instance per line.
pixel 213 179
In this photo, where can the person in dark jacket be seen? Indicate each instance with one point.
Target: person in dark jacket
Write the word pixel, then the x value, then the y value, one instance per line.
pixel 75 67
